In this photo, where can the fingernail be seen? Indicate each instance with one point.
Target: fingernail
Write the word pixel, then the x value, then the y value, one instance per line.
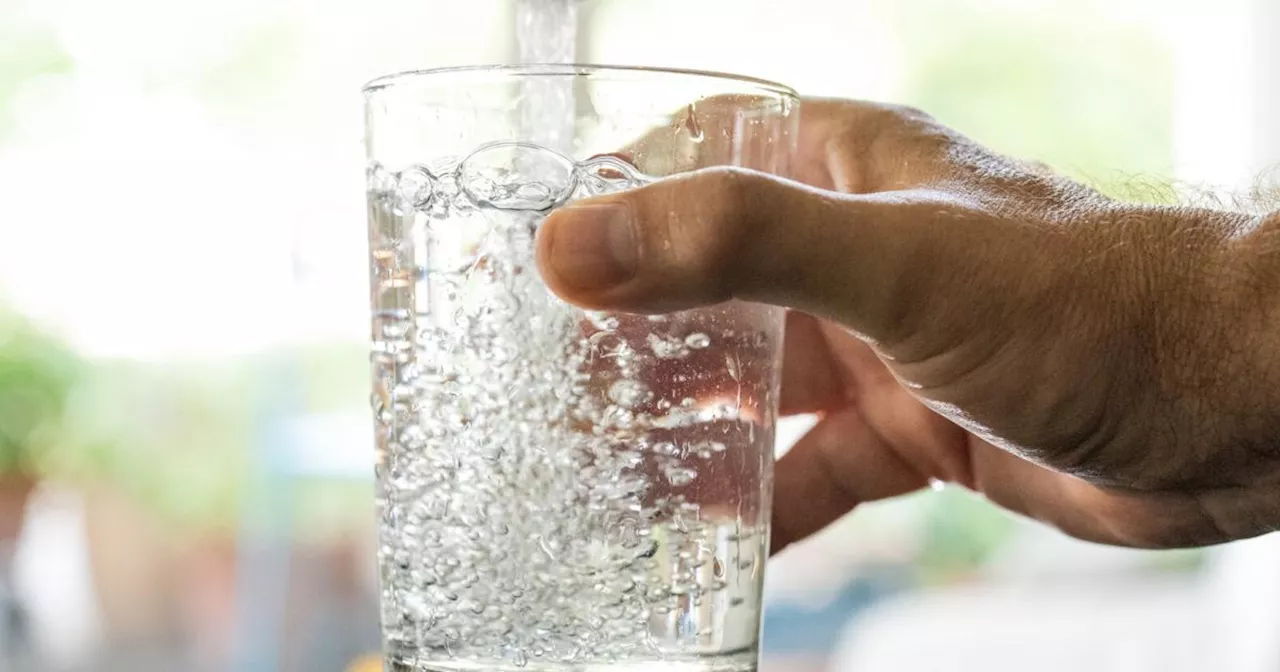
pixel 593 246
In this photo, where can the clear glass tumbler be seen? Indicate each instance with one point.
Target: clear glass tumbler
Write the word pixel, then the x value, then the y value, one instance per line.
pixel 561 489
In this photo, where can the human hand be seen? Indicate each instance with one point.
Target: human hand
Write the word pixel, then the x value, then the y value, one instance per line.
pixel 1105 368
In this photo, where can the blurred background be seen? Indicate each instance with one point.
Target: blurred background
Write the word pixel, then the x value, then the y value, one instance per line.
pixel 185 450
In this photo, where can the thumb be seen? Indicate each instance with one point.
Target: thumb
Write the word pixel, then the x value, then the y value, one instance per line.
pixel 718 234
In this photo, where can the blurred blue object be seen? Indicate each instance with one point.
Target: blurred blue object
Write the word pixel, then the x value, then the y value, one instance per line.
pixel 293 448
pixel 264 543
pixel 790 628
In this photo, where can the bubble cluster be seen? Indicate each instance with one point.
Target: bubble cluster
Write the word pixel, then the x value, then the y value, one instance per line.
pixel 556 488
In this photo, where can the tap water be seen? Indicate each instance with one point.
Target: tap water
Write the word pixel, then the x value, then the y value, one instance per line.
pixel 557 489
pixel 547 32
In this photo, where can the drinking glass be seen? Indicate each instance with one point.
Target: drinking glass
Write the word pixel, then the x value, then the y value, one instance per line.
pixel 561 489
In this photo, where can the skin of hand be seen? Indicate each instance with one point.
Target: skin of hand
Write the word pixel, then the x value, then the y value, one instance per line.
pixel 1106 368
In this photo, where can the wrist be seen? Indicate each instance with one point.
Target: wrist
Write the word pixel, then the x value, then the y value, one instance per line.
pixel 1200 302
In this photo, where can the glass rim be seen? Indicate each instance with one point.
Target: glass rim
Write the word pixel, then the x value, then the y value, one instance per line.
pixel 405 77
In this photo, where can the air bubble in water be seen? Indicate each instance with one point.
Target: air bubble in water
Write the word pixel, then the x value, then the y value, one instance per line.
pixel 697 340
pixel 517 176
pixel 666 346
pixel 665 448
pixel 602 321
pixel 629 393
pixel 416 187
pixel 680 476
pixel 612 168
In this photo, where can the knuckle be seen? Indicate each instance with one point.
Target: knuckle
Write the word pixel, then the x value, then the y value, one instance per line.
pixel 729 188
pixel 894 117
pixel 725 221
pixel 899 146
pixel 907 113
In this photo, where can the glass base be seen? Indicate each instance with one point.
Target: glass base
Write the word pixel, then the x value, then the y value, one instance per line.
pixel 739 661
